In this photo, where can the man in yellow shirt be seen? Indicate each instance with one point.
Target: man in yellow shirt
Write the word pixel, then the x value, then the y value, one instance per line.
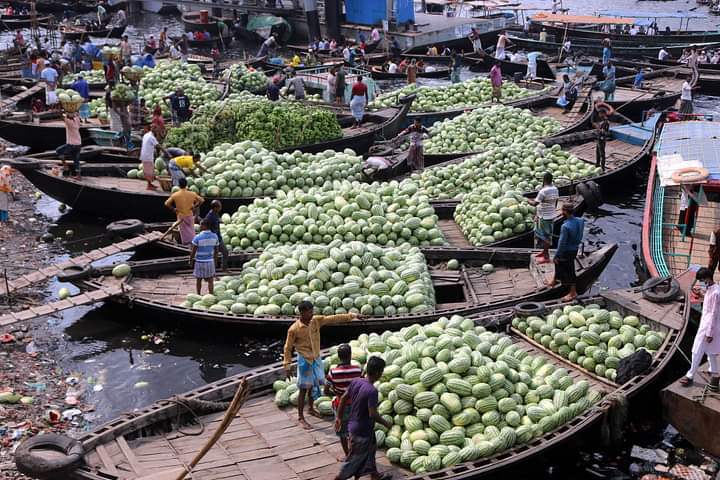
pixel 178 165
pixel 183 202
pixel 295 62
pixel 304 337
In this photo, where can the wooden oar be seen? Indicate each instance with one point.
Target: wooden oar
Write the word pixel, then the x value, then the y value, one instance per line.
pixel 180 472
pixel 170 230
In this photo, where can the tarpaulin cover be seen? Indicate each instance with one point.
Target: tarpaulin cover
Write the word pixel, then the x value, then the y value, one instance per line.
pixel 365 12
pixel 580 19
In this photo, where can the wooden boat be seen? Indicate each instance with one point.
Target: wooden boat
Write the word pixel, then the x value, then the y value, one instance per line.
pixel 675 63
pixel 578 119
pixel 266 442
pixel 208 44
pixel 159 286
pixel 191 22
pixel 15 22
pixel 665 249
pixel 460 45
pixel 511 69
pixel 74 32
pixel 661 90
pixel 629 146
pixel 540 90
pixel 378 73
pixel 596 48
pixel 48 134
pixel 687 38
pixel 103 188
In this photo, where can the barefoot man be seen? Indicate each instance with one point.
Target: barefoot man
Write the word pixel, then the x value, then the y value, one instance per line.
pixel 571 234
pixel 304 337
pixel 363 397
pixel 546 203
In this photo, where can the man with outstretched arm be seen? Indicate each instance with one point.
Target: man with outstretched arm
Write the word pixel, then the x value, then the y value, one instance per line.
pixel 304 337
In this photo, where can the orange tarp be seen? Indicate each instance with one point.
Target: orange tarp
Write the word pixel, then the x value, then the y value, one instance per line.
pixel 558 18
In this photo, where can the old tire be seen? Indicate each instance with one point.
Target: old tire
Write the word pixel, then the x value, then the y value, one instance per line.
pixel 591 201
pixel 660 290
pixel 527 309
pixel 73 273
pixel 124 228
pixel 53 467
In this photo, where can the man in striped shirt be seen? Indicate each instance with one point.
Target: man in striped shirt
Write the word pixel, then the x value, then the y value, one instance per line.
pixel 338 380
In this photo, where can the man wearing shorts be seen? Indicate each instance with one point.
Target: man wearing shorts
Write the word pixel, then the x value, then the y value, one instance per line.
pixel 203 255
pixel 338 380
pixel 546 204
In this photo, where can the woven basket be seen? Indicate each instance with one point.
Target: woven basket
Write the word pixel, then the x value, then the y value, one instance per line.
pixel 134 76
pixel 165 182
pixel 71 107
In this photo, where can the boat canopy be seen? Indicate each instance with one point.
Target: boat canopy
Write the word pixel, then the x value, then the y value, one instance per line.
pixel 647 14
pixel 580 19
pixel 688 144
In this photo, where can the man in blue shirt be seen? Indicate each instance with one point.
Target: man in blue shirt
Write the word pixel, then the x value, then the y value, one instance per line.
pixel 203 255
pixel 571 234
pixel 81 86
pixel 213 217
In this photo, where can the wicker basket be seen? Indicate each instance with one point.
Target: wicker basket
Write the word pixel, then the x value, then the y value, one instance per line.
pixel 134 76
pixel 165 182
pixel 71 107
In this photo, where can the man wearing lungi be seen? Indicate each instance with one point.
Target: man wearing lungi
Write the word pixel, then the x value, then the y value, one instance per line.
pixel 183 203
pixel 304 337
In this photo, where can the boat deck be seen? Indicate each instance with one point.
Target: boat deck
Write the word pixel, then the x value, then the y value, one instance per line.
pixel 617 152
pixel 680 252
pixel 694 412
pixel 454 289
pixel 263 442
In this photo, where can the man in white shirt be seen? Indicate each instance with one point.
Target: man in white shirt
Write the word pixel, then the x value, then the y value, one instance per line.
pixel 375 35
pixel 532 65
pixel 392 67
pixel 516 57
pixel 634 30
pixel 546 203
pixel 663 54
pixel 707 338
pixel 147 156
pixel 686 101
pixel 49 75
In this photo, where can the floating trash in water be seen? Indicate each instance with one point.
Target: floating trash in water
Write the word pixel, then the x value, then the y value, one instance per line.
pixel 97 388
pixel 141 384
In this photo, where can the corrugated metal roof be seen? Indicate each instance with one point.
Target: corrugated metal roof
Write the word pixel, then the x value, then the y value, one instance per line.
pixel 693 141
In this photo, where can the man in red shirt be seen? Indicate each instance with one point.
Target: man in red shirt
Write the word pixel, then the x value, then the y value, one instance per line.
pixel 338 380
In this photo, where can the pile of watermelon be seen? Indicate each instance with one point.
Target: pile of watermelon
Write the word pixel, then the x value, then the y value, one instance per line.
pixel 594 338
pixel 456 392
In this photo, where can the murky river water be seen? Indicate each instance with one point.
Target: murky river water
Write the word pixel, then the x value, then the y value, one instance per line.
pixel 138 360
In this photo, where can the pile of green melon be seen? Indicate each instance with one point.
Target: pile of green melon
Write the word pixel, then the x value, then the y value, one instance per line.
pixel 337 278
pixel 590 336
pixel 487 128
pixel 385 214
pixel 489 215
pixel 456 393
pixel 468 94
pixel 520 166
pixel 160 169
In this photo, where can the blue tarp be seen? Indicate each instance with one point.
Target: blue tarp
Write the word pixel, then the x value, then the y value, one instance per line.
pixel 405 11
pixel 365 12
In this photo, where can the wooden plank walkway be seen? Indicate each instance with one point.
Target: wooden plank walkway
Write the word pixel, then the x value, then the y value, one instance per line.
pixel 9 102
pixel 86 298
pixel 82 261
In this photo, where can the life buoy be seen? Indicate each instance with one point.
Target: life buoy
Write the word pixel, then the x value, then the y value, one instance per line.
pixel 690 175
pixel 604 107
pixel 36 465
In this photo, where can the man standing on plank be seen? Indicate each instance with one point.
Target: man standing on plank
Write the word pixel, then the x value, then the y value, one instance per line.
pixel 304 337
pixel 338 380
